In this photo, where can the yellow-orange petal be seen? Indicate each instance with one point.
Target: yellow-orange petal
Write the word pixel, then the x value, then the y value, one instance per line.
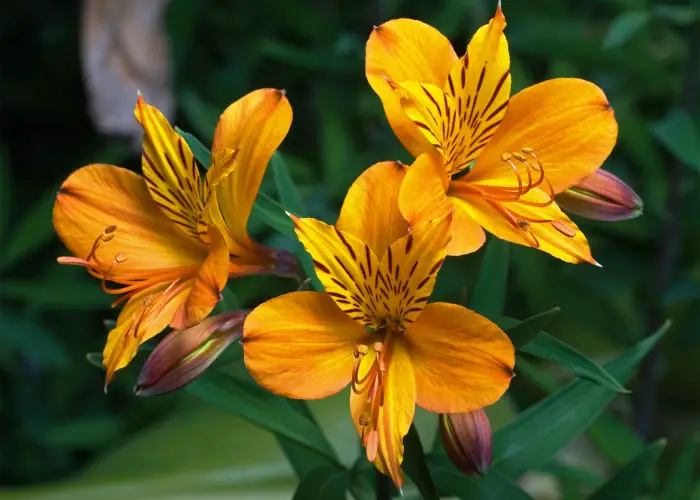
pixel 401 50
pixel 395 415
pixel 300 345
pixel 555 234
pixel 346 267
pixel 171 172
pixel 370 211
pixel 478 88
pixel 205 288
pixel 98 196
pixel 422 197
pixel 567 122
pixel 254 126
pixel 144 316
pixel 461 360
pixel 410 267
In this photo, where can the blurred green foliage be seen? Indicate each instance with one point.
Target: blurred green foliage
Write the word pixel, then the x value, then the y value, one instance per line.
pixel 58 425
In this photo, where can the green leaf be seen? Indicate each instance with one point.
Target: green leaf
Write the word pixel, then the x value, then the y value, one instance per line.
pixel 615 439
pixel 199 150
pixel 229 300
pixel 453 483
pixel 287 190
pixel 324 483
pixel 256 405
pixel 337 147
pixel 630 481
pixel 524 331
pixel 541 378
pixel 489 295
pixel 273 214
pixel 526 443
pixel 33 231
pixel 679 134
pixel 416 467
pixel 680 479
pixel 545 346
pixel 304 460
pixel 624 27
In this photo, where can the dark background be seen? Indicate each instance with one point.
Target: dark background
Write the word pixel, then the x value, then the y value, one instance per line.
pixel 56 424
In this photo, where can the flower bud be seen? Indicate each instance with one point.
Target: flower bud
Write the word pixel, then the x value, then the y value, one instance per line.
pixel 601 196
pixel 286 265
pixel 467 441
pixel 183 355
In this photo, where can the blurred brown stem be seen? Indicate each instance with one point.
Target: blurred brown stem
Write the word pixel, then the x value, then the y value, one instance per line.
pixel 650 372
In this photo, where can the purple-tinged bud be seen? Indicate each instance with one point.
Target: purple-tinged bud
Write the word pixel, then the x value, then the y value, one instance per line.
pixel 467 441
pixel 287 266
pixel 601 196
pixel 183 355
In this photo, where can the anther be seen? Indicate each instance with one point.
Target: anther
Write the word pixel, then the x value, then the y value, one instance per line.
pixel 120 258
pixel 564 228
pixel 378 347
pixel 372 445
pixel 110 229
pixel 365 418
pixel 360 350
pixel 527 151
pixel 506 156
pixel 520 157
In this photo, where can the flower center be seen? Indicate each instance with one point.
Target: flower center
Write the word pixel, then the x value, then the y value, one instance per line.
pixel 370 385
pixel 530 188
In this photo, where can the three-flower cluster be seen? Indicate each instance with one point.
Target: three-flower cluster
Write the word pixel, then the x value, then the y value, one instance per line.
pixel 167 241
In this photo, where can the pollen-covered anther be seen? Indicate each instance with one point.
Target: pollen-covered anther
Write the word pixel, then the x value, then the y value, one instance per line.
pixel 564 228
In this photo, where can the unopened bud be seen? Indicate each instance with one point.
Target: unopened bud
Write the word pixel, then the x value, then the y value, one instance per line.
pixel 601 196
pixel 286 265
pixel 183 355
pixel 467 441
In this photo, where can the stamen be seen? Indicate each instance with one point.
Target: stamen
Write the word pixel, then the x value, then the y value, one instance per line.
pixel 564 228
pixel 372 445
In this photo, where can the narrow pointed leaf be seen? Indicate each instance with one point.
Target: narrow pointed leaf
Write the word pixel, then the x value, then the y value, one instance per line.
pixel 680 135
pixel 525 443
pixel 273 214
pixel 264 409
pixel 286 189
pixel 304 460
pixel 199 150
pixel 522 332
pixel 453 483
pixel 615 439
pixel 628 483
pixel 625 26
pixel 679 483
pixel 325 483
pixel 489 295
pixel 545 346
pixel 416 467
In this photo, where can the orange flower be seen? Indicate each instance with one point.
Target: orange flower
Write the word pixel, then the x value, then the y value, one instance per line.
pixel 373 328
pixel 167 239
pixel 497 162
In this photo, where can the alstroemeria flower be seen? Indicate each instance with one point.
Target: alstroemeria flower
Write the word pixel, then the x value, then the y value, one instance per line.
pixel 167 239
pixel 373 328
pixel 497 160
